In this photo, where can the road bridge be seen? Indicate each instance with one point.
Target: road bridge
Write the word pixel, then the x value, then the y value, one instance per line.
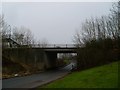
pixel 46 53
pixel 51 51
pixel 59 48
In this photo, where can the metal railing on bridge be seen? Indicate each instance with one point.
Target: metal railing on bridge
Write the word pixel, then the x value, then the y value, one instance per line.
pixel 54 45
pixel 13 44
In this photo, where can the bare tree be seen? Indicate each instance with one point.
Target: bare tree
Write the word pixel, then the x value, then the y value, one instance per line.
pixel 5 29
pixel 28 37
pixel 100 28
pixel 77 39
pixel 99 36
pixel 5 32
pixel 39 43
pixel 44 42
pixel 18 35
pixel 23 36
pixel 114 20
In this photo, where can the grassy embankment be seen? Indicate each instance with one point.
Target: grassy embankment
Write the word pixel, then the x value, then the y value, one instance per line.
pixel 105 76
pixel 12 67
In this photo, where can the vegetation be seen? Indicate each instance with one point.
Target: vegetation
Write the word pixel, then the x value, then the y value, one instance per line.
pixel 10 68
pixel 20 35
pixel 12 62
pixel 99 77
pixel 19 61
pixel 99 40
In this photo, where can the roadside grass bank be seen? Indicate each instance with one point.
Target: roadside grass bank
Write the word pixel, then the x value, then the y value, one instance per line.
pixel 105 76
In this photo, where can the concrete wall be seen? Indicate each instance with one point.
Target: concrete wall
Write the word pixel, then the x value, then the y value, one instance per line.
pixel 33 57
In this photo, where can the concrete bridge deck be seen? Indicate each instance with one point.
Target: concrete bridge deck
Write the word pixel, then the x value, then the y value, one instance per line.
pixel 58 48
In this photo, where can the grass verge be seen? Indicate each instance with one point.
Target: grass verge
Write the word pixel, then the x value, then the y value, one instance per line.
pixel 105 76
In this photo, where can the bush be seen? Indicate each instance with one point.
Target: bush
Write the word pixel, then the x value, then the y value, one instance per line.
pixel 98 52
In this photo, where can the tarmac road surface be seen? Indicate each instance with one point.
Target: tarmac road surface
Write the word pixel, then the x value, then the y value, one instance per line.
pixel 36 80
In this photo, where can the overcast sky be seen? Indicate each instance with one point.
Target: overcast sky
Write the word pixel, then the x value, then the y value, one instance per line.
pixel 56 22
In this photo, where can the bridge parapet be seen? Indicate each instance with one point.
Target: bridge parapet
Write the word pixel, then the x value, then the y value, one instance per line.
pixel 54 46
